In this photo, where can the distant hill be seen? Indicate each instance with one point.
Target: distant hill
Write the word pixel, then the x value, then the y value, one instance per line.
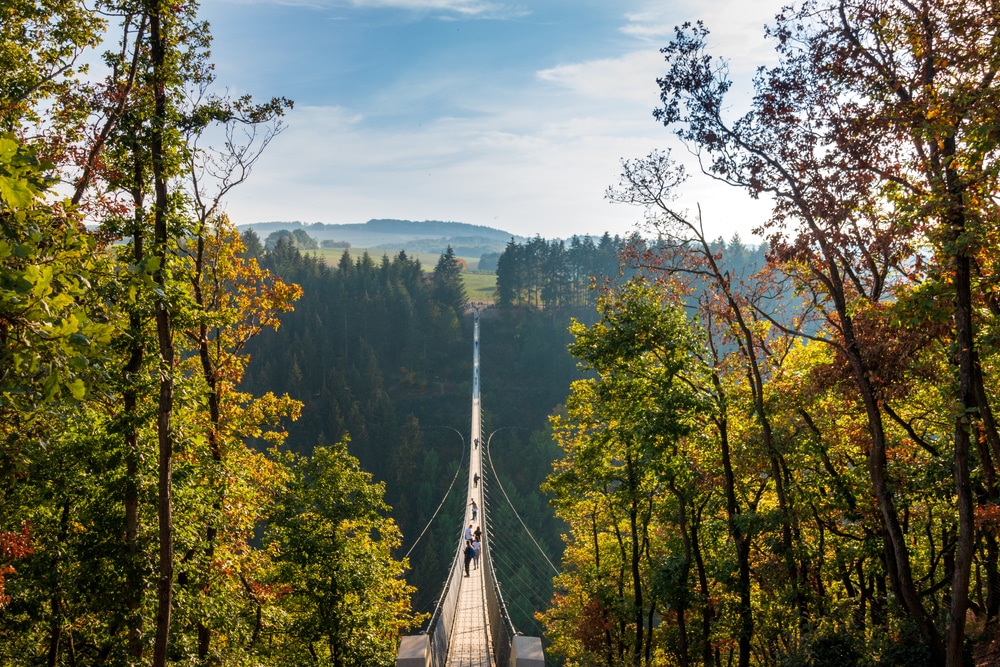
pixel 426 236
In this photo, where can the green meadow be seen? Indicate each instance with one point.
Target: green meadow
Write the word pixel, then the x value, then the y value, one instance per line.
pixel 479 285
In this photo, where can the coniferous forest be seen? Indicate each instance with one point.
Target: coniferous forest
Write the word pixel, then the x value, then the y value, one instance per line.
pixel 382 352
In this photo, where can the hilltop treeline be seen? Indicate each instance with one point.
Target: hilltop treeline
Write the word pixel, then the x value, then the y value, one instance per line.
pixel 551 274
pixel 563 277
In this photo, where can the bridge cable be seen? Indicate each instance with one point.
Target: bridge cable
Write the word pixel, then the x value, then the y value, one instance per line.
pixel 501 559
pixel 515 541
pixel 440 505
pixel 489 457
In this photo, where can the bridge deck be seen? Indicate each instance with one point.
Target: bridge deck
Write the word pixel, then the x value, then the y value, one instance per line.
pixel 470 641
pixel 470 635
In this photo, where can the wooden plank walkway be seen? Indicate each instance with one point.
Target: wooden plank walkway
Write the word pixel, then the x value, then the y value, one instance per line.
pixel 470 642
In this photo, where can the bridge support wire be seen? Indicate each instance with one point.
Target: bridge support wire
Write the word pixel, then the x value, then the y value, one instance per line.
pixel 500 624
pixel 440 625
pixel 495 643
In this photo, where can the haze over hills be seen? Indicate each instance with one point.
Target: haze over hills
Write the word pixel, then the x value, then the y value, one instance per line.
pixel 418 236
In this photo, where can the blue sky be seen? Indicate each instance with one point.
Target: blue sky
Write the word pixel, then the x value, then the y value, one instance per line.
pixel 513 115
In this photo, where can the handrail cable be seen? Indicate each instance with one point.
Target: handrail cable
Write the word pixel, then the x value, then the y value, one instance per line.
pixel 489 457
pixel 509 563
pixel 515 542
pixel 440 505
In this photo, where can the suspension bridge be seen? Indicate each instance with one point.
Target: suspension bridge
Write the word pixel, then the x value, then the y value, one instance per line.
pixel 470 626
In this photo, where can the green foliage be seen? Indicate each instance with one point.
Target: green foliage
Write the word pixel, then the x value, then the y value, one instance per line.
pixel 827 650
pixel 621 440
pixel 49 323
pixel 41 44
pixel 347 602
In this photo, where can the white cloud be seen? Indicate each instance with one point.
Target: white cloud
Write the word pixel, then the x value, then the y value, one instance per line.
pixel 463 7
pixel 543 177
pixel 481 9
pixel 631 77
pixel 533 159
pixel 737 26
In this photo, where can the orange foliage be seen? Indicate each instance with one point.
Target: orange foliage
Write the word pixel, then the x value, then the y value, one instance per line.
pixel 988 518
pixel 12 547
pixel 590 631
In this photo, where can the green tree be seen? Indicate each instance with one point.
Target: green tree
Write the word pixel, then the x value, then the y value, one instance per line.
pixel 447 279
pixel 620 439
pixel 347 601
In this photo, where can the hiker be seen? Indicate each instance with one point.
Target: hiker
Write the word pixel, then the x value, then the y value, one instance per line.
pixel 477 547
pixel 475 480
pixel 469 553
pixel 468 534
pixel 475 510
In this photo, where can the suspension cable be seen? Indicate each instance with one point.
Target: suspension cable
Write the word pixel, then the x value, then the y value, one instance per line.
pixel 489 457
pixel 440 505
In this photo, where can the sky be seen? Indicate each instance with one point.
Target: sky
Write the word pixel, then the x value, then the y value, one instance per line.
pixel 513 114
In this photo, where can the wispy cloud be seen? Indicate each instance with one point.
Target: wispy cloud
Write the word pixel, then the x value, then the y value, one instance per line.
pixel 648 25
pixel 468 8
pixel 631 77
pixel 737 26
pixel 473 9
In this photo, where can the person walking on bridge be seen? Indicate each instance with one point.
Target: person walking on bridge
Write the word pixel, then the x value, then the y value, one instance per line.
pixel 468 554
pixel 468 534
pixel 475 510
pixel 477 547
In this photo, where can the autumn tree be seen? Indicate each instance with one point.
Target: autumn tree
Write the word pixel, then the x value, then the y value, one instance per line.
pixel 868 134
pixel 620 439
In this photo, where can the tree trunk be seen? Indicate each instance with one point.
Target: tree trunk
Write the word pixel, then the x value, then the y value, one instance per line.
pixel 214 414
pixel 165 343
pixel 682 644
pixel 636 586
pixel 740 541
pixel 897 556
pixel 992 576
pixel 130 399
pixel 965 339
pixel 706 612
pixel 55 602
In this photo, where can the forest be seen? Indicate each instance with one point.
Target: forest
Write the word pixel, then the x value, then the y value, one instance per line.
pixel 220 453
pixel 151 509
pixel 798 465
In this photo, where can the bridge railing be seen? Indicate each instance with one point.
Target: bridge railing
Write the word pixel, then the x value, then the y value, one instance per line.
pixel 441 622
pixel 501 629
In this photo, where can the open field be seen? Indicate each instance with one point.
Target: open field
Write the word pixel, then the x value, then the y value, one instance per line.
pixel 427 259
pixel 479 286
